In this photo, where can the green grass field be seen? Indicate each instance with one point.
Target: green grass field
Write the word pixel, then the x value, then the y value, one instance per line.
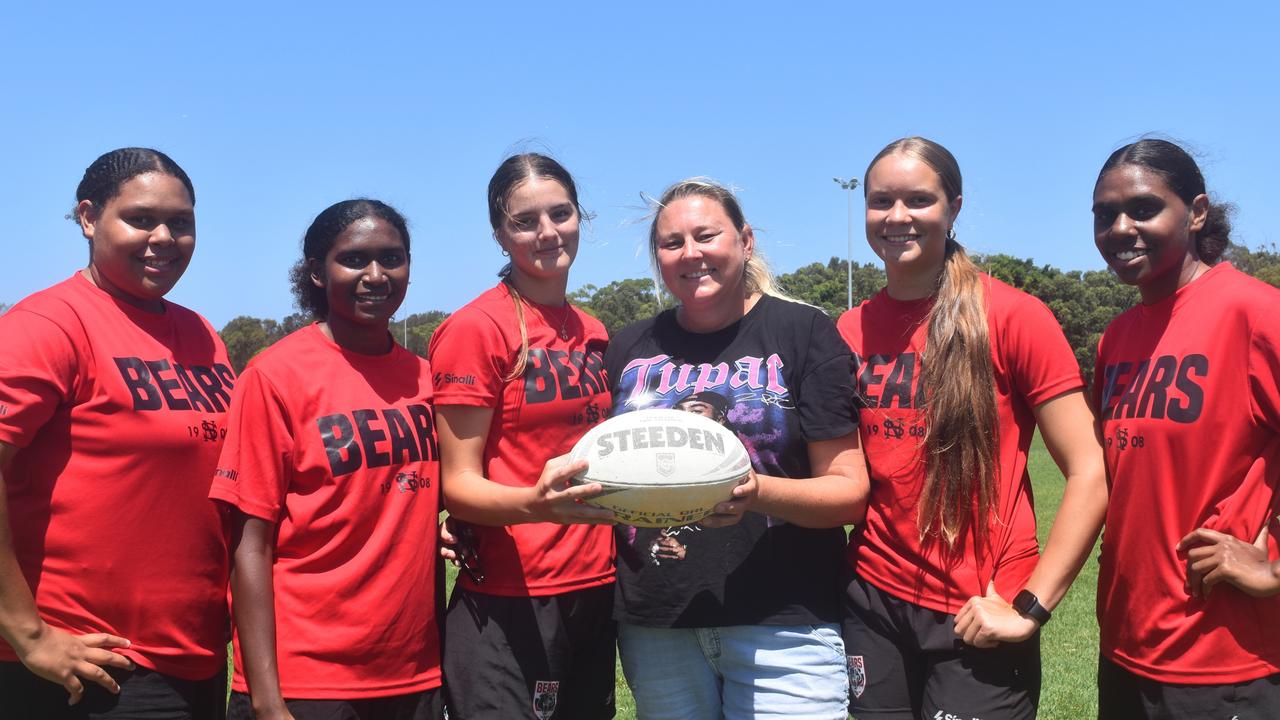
pixel 1069 647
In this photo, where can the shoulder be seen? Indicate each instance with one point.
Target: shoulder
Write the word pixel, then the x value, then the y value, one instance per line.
pixel 492 309
pixel 58 304
pixel 291 354
pixel 638 329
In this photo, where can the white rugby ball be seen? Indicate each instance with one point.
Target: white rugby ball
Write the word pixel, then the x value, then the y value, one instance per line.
pixel 661 468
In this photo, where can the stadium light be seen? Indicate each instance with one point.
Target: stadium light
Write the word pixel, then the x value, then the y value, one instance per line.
pixel 849 186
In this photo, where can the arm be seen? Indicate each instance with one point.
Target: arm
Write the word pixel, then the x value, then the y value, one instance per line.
pixel 52 654
pixel 836 496
pixel 472 497
pixel 253 602
pixel 1067 424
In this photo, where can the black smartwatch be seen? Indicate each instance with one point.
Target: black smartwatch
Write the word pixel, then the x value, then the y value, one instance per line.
pixel 1028 605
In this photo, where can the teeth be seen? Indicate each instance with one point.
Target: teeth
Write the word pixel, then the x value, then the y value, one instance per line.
pixel 899 238
pixel 1127 255
pixel 157 262
pixel 373 298
pixel 696 275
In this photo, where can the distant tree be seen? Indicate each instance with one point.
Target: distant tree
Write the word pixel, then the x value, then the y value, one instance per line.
pixel 826 286
pixel 1263 263
pixel 4 308
pixel 246 336
pixel 619 303
pixel 415 331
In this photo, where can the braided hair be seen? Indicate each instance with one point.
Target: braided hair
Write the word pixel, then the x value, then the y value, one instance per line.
pixel 319 240
pixel 105 176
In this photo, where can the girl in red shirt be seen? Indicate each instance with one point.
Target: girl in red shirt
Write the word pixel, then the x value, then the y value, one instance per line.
pixel 518 379
pixel 332 470
pixel 1188 388
pixel 955 370
pixel 113 566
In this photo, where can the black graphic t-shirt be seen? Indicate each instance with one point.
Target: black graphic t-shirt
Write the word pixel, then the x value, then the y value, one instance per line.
pixel 780 378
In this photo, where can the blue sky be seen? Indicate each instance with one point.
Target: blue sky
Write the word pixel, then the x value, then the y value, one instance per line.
pixel 277 110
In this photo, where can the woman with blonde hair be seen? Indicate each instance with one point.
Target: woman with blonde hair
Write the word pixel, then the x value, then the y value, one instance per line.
pixel 955 370
pixel 738 615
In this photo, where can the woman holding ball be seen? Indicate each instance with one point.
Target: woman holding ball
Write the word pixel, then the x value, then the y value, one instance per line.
pixel 738 615
pixel 518 380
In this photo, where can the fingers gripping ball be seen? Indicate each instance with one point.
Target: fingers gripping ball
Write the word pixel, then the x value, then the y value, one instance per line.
pixel 661 467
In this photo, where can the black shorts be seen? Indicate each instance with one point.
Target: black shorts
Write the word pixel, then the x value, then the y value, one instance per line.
pixel 1123 695
pixel 905 662
pixel 144 695
pixel 530 657
pixel 422 705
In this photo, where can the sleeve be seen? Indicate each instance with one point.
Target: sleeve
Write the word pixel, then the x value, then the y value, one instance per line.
pixel 256 465
pixel 1035 351
pixel 825 394
pixel 469 360
pixel 37 375
pixel 1264 370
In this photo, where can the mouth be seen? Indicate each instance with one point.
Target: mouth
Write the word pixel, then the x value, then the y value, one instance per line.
pixel 697 274
pixel 159 263
pixel 1129 254
pixel 373 297
pixel 899 239
pixel 550 250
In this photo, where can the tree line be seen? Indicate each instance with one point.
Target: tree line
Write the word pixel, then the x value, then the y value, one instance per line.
pixel 1083 301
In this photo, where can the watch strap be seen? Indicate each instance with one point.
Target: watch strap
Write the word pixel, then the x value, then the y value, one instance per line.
pixel 1028 605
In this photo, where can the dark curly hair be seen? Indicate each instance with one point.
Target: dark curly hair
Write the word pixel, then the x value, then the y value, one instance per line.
pixel 104 177
pixel 319 239
pixel 1180 172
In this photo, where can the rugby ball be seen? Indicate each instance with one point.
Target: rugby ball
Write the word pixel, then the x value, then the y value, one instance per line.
pixel 661 468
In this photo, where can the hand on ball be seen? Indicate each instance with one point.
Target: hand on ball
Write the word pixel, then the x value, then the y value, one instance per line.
pixel 557 500
pixel 730 512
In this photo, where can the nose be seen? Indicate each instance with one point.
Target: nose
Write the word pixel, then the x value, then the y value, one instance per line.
pixel 691 250
pixel 161 235
pixel 374 274
pixel 898 213
pixel 546 228
pixel 1122 225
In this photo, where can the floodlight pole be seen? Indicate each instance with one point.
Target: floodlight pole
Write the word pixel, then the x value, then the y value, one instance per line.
pixel 849 186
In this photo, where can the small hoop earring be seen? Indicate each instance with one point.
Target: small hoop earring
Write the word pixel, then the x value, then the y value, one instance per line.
pixel 951 234
pixel 506 254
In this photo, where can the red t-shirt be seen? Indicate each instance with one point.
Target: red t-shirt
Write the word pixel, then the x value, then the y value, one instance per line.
pixel 340 450
pixel 536 417
pixel 1190 409
pixel 119 414
pixel 1032 362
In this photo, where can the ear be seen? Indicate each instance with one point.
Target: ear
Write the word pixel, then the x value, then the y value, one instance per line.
pixel 955 207
pixel 87 215
pixel 748 237
pixel 317 272
pixel 1199 212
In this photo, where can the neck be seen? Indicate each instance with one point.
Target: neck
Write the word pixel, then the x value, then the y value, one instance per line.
pixel 710 317
pixel 544 291
pixel 362 339
pixel 905 285
pixel 1160 288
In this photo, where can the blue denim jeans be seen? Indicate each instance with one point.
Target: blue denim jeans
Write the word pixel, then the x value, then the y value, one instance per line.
pixel 747 671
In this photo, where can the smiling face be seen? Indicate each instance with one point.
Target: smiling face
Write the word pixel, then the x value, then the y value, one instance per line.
pixel 908 218
pixel 365 274
pixel 141 240
pixel 1145 232
pixel 701 255
pixel 540 230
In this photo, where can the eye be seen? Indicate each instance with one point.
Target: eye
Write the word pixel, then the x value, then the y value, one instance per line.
pixel 708 236
pixel 180 224
pixel 673 243
pixel 1145 209
pixel 878 203
pixel 1103 217
pixel 524 222
pixel 142 222
pixel 352 260
pixel 562 214
pixel 920 201
pixel 393 259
